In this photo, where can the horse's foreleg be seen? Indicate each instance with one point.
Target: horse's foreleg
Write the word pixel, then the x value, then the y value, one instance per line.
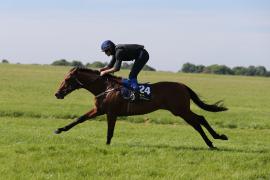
pixel 91 114
pixel 111 119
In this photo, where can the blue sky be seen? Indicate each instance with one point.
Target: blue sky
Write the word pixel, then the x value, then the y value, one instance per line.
pixel 234 33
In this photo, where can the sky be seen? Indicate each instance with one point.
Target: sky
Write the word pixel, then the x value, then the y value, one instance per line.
pixel 225 32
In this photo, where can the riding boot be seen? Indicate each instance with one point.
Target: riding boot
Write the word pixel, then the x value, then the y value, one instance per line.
pixel 134 84
pixel 126 83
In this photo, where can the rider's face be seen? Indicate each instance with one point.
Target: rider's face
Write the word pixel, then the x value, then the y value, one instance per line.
pixel 108 52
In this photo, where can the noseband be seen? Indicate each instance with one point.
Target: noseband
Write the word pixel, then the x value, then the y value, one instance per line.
pixel 79 82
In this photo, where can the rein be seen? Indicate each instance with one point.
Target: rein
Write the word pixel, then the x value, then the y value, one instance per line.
pixel 106 92
pixel 100 94
pixel 103 93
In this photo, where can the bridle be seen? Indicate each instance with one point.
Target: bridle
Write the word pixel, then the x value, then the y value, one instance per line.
pixel 79 82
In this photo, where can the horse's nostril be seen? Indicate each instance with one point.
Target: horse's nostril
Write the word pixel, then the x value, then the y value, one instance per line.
pixel 59 95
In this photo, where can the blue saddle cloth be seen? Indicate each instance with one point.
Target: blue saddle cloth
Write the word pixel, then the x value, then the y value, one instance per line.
pixel 144 93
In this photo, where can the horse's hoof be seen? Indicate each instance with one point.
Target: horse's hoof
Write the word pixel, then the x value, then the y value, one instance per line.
pixel 213 148
pixel 108 143
pixel 223 137
pixel 57 131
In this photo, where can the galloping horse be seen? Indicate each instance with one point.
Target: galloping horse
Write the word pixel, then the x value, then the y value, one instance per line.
pixel 172 96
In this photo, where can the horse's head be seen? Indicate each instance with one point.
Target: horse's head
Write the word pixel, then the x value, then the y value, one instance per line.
pixel 85 78
pixel 69 84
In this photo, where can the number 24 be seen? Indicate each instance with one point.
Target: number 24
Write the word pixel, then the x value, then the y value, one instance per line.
pixel 145 90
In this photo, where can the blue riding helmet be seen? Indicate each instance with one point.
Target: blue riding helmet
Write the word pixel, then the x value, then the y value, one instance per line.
pixel 107 45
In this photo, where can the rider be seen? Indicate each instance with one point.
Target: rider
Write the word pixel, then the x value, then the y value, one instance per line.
pixel 125 52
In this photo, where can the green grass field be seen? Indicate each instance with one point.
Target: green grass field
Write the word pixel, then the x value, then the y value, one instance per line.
pixel 152 146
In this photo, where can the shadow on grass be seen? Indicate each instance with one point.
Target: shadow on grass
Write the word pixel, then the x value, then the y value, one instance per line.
pixel 179 148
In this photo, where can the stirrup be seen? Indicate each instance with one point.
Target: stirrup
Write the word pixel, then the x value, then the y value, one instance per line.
pixel 129 95
pixel 132 96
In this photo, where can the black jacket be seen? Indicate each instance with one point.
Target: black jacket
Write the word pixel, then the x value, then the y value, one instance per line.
pixel 124 52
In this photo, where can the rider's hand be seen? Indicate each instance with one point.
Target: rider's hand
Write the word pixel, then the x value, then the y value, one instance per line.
pixel 102 73
pixel 101 69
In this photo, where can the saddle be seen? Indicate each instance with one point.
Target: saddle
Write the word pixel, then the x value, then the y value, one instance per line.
pixel 143 94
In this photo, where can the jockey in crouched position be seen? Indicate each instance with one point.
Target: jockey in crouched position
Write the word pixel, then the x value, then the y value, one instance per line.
pixel 125 52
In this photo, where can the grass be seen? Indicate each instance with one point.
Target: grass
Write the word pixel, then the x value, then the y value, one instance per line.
pixel 152 146
pixel 29 150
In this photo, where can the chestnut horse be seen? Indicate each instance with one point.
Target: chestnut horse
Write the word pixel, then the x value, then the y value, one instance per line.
pixel 172 96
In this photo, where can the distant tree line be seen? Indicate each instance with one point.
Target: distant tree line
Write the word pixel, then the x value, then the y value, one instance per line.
pixel 222 69
pixel 129 66
pixel 4 61
pixel 96 64
pixel 63 62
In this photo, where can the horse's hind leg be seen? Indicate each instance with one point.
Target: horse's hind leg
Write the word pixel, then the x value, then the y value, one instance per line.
pixel 203 122
pixel 190 118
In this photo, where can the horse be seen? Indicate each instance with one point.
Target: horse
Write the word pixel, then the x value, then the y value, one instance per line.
pixel 172 96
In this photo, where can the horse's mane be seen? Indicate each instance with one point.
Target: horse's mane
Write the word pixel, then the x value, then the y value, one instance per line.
pixel 93 71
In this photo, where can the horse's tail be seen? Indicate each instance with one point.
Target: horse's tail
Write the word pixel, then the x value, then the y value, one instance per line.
pixel 216 107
